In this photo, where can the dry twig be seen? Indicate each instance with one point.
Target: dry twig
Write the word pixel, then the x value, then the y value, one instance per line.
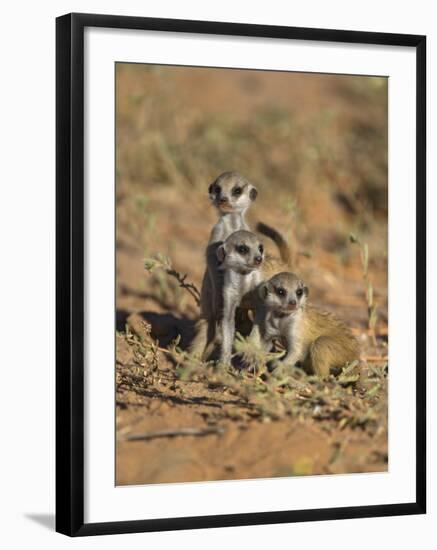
pixel 162 262
pixel 174 433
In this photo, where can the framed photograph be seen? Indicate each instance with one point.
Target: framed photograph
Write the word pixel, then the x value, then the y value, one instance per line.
pixel 240 274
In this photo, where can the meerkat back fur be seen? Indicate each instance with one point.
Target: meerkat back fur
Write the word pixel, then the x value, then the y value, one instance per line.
pixel 316 339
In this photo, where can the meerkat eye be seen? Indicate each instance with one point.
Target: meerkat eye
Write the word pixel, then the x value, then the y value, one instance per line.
pixel 216 189
pixel 242 249
pixel 281 291
pixel 236 191
pixel 261 248
pixel 299 292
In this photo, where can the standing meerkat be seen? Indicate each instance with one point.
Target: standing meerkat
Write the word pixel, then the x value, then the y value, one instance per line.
pixel 316 339
pixel 232 194
pixel 239 260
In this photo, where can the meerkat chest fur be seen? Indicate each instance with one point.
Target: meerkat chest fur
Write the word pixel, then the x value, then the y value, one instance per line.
pixel 226 225
pixel 236 285
pixel 277 326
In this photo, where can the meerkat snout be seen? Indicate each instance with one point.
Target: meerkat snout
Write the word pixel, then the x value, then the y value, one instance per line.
pixel 284 292
pixel 232 192
pixel 242 252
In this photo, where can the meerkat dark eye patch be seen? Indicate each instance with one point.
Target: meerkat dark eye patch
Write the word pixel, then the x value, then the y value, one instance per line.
pixel 253 194
pixel 242 249
pixel 261 248
pixel 236 191
pixel 214 189
pixel 280 291
pixel 299 292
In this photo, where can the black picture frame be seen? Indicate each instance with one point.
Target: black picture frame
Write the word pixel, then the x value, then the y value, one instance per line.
pixel 70 273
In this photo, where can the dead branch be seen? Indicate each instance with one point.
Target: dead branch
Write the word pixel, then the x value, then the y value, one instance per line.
pixel 162 262
pixel 376 359
pixel 198 432
pixel 189 287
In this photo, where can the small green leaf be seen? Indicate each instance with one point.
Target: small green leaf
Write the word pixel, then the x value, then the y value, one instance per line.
pixel 373 391
pixel 149 264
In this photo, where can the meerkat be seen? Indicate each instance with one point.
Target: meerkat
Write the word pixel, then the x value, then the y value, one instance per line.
pixel 314 338
pixel 239 260
pixel 232 194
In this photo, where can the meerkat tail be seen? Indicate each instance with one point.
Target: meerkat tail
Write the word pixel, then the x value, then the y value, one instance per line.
pixel 278 239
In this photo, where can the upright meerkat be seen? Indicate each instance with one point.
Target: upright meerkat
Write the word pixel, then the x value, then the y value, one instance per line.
pixel 239 260
pixel 232 194
pixel 314 338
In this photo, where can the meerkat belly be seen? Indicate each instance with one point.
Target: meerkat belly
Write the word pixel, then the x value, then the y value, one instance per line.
pixel 250 282
pixel 272 329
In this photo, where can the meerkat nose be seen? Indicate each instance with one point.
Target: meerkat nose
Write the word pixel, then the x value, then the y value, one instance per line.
pixel 223 200
pixel 258 259
pixel 292 302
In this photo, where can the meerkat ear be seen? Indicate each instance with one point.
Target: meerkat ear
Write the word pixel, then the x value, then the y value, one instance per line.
pixel 253 193
pixel 221 253
pixel 263 291
pixel 210 188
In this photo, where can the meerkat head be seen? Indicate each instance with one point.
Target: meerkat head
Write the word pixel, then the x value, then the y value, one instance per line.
pixel 231 192
pixel 242 252
pixel 285 293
